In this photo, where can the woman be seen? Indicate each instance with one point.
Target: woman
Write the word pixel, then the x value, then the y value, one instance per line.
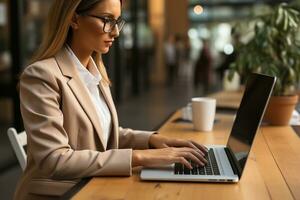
pixel 68 111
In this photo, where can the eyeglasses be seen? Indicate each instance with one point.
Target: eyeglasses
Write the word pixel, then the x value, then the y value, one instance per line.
pixel 110 23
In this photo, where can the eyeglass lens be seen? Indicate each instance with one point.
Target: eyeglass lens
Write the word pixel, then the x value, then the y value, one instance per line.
pixel 111 24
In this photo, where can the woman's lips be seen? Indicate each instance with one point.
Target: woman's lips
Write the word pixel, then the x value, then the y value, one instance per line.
pixel 109 43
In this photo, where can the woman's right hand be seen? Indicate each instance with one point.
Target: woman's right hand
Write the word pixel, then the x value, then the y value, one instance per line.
pixel 165 156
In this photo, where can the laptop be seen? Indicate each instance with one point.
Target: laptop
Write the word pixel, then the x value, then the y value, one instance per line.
pixel 225 163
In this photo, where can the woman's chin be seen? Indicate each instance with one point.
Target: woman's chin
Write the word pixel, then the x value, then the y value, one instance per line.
pixel 104 50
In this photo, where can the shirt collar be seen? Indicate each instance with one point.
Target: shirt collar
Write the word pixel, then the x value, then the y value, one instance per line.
pixel 91 74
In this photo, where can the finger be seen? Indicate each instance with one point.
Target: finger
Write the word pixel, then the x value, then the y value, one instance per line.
pixel 200 146
pixel 185 143
pixel 191 156
pixel 183 161
pixel 196 153
pixel 203 160
pixel 190 144
pixel 199 155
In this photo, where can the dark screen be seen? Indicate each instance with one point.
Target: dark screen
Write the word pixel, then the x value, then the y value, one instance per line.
pixel 248 118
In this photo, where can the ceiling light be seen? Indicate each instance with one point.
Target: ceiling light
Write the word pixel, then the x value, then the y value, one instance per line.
pixel 198 10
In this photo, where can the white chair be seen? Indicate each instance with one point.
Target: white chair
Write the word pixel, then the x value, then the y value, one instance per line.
pixel 18 141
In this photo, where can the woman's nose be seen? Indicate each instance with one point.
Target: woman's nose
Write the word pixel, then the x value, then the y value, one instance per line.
pixel 115 31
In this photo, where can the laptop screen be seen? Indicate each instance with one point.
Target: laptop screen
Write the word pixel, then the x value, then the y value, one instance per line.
pixel 257 92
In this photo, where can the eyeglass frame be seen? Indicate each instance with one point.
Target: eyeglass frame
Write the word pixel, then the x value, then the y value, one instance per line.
pixel 105 21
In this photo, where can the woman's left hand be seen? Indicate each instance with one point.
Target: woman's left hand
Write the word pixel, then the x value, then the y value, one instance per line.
pixel 156 141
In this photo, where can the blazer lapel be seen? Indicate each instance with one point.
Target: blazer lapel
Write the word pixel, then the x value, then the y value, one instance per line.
pixel 80 92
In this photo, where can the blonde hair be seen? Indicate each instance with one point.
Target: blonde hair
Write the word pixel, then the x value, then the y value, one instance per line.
pixel 57 30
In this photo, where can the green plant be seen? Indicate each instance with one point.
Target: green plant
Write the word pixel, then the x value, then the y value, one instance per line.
pixel 274 49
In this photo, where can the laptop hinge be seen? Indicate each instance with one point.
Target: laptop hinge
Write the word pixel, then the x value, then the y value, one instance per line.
pixel 233 162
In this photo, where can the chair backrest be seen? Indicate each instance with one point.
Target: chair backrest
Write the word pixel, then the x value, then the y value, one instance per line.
pixel 18 142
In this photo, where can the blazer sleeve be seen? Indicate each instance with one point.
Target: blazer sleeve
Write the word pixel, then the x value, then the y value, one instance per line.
pixel 134 139
pixel 48 146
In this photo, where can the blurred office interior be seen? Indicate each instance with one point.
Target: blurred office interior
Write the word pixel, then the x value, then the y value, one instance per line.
pixel 146 89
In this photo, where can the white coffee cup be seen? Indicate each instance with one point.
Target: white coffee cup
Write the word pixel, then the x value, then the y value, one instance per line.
pixel 203 111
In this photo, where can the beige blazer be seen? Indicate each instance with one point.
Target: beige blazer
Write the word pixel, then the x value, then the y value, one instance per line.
pixel 65 141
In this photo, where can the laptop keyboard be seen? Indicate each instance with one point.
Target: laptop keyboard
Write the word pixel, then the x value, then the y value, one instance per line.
pixel 211 168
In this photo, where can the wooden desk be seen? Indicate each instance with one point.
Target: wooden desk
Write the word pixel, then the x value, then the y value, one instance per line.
pixel 269 174
pixel 272 171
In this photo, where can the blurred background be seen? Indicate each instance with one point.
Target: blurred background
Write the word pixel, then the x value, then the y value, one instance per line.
pixel 168 52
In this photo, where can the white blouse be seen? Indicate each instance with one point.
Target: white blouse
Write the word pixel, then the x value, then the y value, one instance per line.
pixel 91 78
